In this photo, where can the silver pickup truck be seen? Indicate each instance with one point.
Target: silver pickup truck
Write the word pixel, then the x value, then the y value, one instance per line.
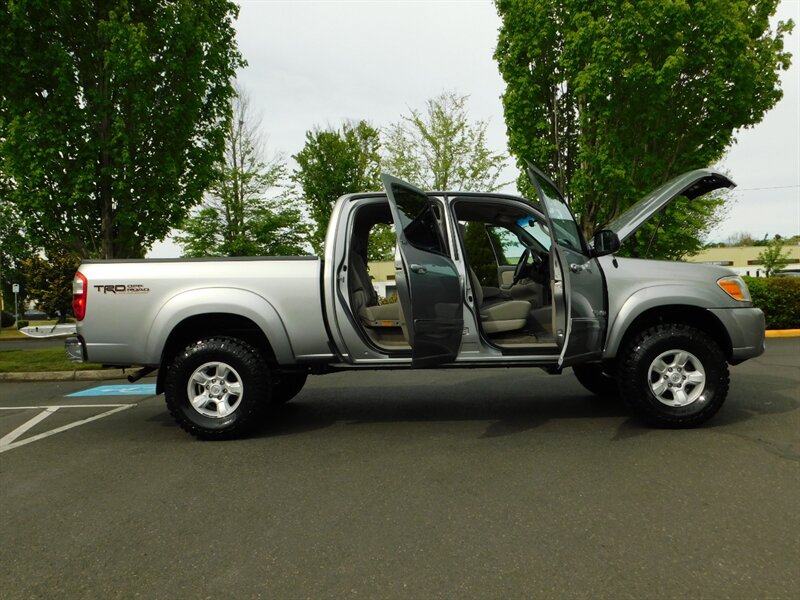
pixel 229 337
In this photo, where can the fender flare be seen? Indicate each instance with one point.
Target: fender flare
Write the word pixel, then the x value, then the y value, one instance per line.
pixel 224 300
pixel 670 296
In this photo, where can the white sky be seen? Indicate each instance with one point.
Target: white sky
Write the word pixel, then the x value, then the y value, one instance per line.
pixel 318 63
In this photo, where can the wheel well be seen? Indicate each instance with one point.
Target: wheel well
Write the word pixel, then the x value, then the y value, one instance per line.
pixel 209 325
pixel 695 316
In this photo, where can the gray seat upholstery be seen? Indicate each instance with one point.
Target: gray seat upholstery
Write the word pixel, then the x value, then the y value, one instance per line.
pixel 364 298
pixel 506 315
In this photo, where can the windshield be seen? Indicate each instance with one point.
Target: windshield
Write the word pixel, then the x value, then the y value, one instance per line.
pixel 535 229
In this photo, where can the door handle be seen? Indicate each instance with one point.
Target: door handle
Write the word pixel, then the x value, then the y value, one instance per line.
pixel 419 269
pixel 576 268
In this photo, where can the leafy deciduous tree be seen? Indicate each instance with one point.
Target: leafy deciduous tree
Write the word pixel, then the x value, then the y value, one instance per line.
pixel 441 149
pixel 14 247
pixel 112 115
pixel 773 257
pixel 237 217
pixel 613 97
pixel 334 162
pixel 49 282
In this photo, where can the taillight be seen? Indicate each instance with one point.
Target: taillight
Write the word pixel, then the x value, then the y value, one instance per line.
pixel 79 291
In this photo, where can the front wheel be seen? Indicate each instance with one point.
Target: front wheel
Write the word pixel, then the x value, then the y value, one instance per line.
pixel 215 387
pixel 673 375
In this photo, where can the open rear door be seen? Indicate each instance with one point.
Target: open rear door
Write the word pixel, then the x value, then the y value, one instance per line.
pixel 582 278
pixel 427 280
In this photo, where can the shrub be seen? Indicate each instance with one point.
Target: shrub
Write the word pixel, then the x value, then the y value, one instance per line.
pixel 779 298
pixel 21 324
pixel 6 319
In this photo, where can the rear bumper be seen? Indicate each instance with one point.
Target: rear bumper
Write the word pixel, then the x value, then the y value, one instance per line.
pixel 75 349
pixel 745 327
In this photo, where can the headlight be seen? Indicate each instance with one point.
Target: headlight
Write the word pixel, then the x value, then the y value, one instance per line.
pixel 735 287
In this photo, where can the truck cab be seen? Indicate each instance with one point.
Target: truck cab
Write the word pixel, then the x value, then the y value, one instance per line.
pixel 444 313
pixel 547 305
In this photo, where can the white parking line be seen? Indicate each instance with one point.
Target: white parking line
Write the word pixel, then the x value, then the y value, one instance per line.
pixel 7 441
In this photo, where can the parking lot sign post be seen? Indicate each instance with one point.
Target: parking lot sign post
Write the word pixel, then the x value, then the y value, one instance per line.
pixel 15 289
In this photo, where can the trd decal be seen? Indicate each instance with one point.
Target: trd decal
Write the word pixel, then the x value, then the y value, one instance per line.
pixel 135 288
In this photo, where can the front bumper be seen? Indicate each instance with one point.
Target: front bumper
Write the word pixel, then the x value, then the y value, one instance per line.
pixel 745 327
pixel 75 349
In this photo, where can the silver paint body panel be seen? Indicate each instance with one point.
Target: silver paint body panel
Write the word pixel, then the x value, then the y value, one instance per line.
pixel 282 297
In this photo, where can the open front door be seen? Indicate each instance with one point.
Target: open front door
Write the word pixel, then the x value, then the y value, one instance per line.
pixel 581 328
pixel 427 280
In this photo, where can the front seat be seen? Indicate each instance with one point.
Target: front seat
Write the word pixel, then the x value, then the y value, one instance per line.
pixel 364 298
pixel 505 315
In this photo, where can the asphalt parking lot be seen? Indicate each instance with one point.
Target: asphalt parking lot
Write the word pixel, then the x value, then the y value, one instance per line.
pixel 437 484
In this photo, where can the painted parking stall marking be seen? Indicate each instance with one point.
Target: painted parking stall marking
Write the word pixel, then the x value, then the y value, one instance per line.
pixel 143 389
pixel 9 441
pixel 12 439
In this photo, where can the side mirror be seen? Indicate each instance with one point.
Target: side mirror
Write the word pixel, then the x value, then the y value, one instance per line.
pixel 605 242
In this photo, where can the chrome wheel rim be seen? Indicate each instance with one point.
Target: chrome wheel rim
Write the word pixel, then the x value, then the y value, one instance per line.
pixel 215 390
pixel 677 378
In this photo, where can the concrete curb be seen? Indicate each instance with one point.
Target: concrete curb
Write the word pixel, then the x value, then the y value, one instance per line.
pixel 85 375
pixel 783 333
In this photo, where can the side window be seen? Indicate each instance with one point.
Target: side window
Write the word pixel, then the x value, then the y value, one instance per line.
pixel 419 222
pixel 507 247
pixel 381 242
pixel 480 243
pixel 511 244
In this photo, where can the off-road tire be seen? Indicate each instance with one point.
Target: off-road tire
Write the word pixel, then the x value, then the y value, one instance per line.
pixel 594 378
pixel 646 359
pixel 243 369
pixel 286 386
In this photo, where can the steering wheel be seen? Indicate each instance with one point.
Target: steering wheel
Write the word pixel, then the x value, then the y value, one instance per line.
pixel 522 267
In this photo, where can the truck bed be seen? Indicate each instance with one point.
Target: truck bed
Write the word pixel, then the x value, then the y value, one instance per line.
pixel 133 305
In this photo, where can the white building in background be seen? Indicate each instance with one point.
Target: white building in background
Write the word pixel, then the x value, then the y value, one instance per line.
pixel 744 259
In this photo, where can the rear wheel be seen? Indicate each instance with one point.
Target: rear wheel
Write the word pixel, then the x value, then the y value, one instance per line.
pixel 594 378
pixel 215 387
pixel 674 375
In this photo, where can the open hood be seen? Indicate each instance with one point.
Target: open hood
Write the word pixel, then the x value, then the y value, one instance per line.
pixel 691 184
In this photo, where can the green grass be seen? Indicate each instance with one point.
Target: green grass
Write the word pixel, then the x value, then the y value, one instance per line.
pixel 38 359
pixel 10 333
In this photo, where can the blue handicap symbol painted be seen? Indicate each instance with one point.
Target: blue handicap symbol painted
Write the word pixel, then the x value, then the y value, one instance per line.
pixel 143 389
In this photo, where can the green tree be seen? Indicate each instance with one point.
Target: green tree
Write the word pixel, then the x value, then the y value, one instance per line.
pixel 740 238
pixel 441 149
pixel 49 282
pixel 615 97
pixel 14 248
pixel 112 115
pixel 773 257
pixel 334 162
pixel 237 217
